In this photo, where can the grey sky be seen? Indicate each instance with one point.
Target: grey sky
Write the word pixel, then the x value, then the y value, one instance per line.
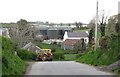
pixel 54 10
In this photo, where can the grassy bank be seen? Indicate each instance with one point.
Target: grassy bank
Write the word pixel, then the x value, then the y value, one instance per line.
pixel 11 64
pixel 104 57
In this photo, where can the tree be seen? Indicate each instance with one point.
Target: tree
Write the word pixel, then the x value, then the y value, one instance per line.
pixel 91 34
pixel 77 25
pixel 69 24
pixel 21 34
pixel 61 24
pixel 102 22
pixel 104 42
pixel 117 28
pixel 102 25
pixel 92 23
pixel 111 25
pixel 80 25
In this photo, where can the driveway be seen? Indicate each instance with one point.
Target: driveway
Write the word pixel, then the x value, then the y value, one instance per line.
pixel 62 68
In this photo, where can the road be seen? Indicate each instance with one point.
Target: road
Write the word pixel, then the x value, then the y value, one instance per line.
pixel 62 68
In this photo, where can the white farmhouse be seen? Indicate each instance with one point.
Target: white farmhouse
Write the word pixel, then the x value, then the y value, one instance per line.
pixel 77 35
pixel 71 38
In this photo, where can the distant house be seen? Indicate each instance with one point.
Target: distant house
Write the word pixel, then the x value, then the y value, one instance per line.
pixel 4 32
pixel 69 44
pixel 31 47
pixel 77 35
pixel 71 38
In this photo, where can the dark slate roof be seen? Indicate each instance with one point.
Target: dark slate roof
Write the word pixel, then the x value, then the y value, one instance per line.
pixel 77 34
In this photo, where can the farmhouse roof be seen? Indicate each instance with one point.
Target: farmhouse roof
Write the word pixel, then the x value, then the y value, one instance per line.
pixel 70 42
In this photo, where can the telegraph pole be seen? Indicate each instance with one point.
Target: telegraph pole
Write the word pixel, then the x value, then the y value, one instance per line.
pixel 96 31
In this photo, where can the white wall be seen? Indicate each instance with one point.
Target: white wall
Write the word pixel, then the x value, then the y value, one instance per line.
pixel 65 36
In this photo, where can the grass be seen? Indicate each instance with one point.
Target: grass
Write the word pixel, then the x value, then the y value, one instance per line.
pixel 43 45
pixel 102 57
pixel 70 57
pixel 11 64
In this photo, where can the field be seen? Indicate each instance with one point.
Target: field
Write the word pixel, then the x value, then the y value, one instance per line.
pixel 70 57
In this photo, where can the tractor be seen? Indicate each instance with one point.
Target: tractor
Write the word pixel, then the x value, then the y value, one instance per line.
pixel 44 55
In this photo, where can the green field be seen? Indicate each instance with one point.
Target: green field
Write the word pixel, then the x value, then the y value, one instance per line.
pixel 70 57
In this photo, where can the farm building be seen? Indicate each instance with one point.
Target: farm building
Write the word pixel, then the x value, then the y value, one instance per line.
pixel 31 47
pixel 52 32
pixel 71 38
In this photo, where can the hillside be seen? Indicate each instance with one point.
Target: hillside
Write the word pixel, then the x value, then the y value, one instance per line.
pixel 103 57
pixel 11 64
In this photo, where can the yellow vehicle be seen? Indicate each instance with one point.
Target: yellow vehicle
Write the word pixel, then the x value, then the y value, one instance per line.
pixel 44 55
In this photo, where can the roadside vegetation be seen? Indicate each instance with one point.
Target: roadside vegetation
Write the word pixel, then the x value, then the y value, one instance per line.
pixel 109 51
pixel 11 63
pixel 70 57
pixel 26 55
pixel 117 70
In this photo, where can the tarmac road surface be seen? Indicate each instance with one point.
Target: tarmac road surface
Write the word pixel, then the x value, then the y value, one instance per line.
pixel 62 68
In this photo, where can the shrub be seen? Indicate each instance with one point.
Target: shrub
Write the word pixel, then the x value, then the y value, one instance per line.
pixel 26 55
pixel 58 56
pixel 104 41
pixel 101 57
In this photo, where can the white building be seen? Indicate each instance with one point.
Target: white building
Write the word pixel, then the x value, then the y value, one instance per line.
pixel 77 35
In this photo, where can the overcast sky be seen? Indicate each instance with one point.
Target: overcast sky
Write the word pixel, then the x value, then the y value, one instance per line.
pixel 54 10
